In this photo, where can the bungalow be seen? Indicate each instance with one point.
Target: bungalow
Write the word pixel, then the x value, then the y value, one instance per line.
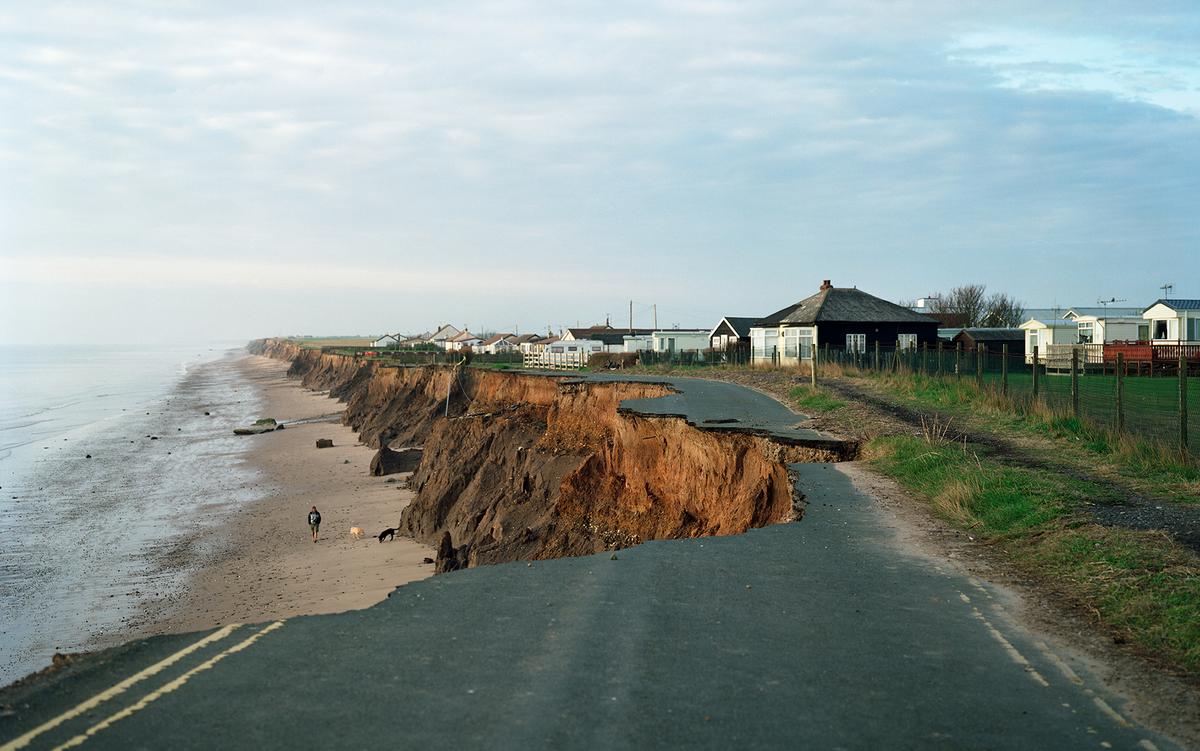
pixel 993 339
pixel 387 340
pixel 840 317
pixel 732 331
pixel 1172 321
pixel 444 334
pixel 498 344
pixel 465 340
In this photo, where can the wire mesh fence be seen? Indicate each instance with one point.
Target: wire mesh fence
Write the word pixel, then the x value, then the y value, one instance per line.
pixel 1160 402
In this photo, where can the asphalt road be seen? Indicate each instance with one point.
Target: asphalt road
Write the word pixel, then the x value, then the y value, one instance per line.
pixel 818 634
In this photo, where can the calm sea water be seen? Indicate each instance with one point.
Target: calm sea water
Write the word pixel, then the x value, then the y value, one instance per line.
pixel 87 541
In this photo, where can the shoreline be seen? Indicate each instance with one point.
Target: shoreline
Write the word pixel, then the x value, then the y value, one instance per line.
pixel 265 565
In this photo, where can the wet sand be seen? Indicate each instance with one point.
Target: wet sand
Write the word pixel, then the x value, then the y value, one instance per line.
pixel 269 568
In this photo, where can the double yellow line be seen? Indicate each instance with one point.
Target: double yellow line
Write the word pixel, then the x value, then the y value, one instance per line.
pixel 136 678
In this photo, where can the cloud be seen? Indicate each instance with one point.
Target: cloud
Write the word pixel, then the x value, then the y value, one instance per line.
pixel 666 151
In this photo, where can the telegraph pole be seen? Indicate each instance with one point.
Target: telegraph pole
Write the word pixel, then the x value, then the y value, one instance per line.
pixel 654 307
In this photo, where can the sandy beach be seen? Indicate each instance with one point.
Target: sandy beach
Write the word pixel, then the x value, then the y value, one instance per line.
pixel 269 568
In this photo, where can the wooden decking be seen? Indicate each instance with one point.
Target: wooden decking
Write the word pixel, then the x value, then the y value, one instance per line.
pixel 1151 358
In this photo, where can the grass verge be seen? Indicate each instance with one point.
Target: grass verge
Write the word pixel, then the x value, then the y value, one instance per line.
pixel 1155 466
pixel 1140 585
pixel 815 400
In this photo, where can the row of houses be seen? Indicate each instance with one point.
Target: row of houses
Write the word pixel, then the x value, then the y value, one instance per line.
pixel 844 318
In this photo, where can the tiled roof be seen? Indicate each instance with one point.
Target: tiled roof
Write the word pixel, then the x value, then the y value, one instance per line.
pixel 843 305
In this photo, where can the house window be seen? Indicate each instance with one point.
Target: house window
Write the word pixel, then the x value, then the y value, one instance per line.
pixel 1193 329
pixel 1087 333
pixel 1143 332
pixel 1160 329
pixel 806 344
pixel 791 343
pixel 907 341
pixel 856 343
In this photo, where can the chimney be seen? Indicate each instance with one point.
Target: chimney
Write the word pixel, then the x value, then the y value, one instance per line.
pixel 826 285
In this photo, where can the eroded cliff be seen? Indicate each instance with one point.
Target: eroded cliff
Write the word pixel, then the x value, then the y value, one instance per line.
pixel 519 466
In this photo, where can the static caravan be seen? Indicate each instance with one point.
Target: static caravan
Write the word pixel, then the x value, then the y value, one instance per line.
pixel 1172 321
pixel 679 340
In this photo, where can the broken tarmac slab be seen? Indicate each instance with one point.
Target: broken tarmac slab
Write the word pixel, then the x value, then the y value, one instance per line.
pixel 719 406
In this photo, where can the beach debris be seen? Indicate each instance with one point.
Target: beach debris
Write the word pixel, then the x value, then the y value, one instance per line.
pixel 208 413
pixel 89 456
pixel 389 462
pixel 265 425
pixel 324 443
pixel 426 560
pixel 345 461
pixel 612 557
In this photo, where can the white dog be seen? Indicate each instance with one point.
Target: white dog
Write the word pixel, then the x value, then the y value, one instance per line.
pixel 356 533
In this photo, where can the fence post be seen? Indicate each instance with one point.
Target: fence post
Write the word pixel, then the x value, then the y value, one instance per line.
pixel 876 355
pixel 1035 372
pixel 939 358
pixel 1004 369
pixel 1075 382
pixel 813 362
pixel 924 358
pixel 1120 393
pixel 979 349
pixel 1183 402
pixel 958 360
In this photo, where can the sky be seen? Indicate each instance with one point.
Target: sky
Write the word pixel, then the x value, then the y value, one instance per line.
pixel 197 171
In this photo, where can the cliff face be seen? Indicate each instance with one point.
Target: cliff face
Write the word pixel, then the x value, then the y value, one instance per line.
pixel 534 467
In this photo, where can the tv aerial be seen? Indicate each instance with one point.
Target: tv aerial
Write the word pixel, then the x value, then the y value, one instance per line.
pixel 1167 289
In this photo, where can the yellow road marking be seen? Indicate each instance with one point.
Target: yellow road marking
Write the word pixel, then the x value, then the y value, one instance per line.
pixel 167 688
pixel 119 688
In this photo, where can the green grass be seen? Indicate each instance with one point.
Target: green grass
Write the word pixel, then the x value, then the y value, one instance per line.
pixel 815 400
pixel 1155 464
pixel 991 498
pixel 1141 584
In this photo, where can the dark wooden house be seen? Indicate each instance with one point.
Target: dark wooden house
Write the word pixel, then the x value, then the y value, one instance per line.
pixel 993 339
pixel 731 332
pixel 844 318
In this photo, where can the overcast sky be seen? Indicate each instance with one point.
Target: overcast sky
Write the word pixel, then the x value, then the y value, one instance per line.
pixel 202 170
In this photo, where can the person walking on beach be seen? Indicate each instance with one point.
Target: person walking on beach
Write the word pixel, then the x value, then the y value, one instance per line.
pixel 314 521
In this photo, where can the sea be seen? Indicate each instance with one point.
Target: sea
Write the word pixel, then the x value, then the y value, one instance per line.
pixel 113 462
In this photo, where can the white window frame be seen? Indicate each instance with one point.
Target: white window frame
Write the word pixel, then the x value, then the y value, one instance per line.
pixel 856 343
pixel 907 341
